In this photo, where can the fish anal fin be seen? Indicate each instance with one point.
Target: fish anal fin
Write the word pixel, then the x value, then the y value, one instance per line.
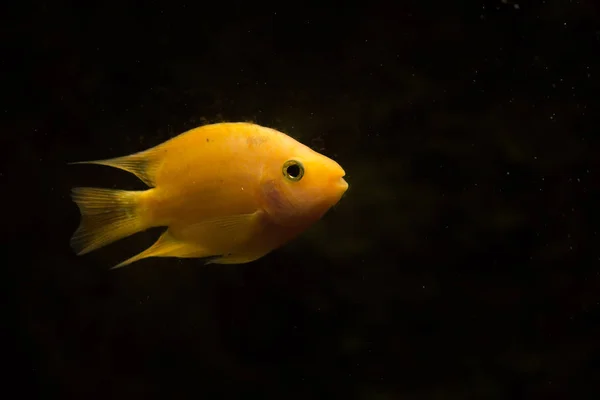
pixel 144 165
pixel 167 246
pixel 219 233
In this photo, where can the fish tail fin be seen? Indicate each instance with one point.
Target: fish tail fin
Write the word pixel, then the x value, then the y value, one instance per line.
pixel 143 164
pixel 107 215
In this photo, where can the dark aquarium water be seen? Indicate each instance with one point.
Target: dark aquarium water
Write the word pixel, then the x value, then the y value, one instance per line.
pixel 463 262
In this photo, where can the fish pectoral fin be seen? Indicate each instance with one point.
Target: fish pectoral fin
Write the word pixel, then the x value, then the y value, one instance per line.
pixel 167 246
pixel 229 230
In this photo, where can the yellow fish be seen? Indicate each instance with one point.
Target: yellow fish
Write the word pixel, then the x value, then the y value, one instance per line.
pixel 230 192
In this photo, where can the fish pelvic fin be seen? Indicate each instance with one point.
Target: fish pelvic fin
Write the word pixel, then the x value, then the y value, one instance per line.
pixel 231 259
pixel 144 164
pixel 107 215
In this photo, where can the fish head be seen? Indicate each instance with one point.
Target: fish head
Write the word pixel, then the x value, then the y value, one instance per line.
pixel 300 185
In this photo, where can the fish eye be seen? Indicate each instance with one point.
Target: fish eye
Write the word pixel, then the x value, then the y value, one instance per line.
pixel 293 170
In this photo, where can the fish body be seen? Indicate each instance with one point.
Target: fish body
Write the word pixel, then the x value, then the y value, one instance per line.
pixel 228 192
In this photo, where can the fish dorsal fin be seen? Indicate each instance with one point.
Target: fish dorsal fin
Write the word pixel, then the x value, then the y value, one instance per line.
pixel 144 164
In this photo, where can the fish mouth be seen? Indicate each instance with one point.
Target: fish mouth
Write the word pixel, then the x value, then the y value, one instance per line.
pixel 341 187
pixel 343 184
pixel 341 190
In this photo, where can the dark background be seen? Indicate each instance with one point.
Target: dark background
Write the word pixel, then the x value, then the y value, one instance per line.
pixel 463 262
